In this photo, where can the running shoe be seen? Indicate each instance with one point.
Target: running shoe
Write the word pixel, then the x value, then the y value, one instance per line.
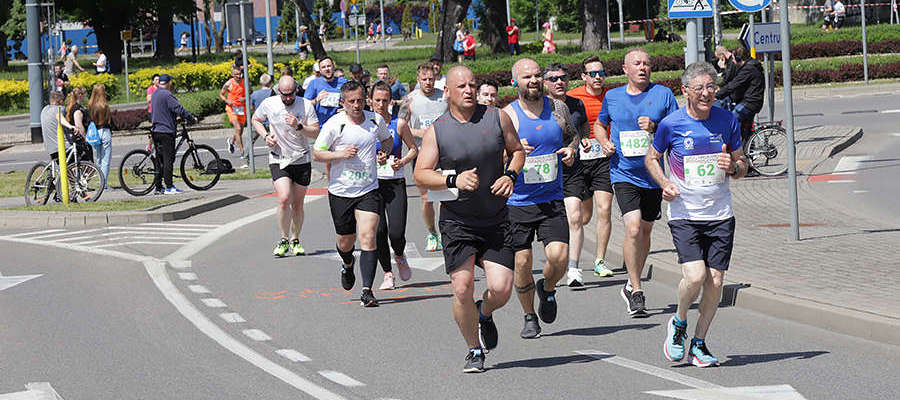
pixel 281 248
pixel 601 269
pixel 403 267
pixel 532 328
pixel 574 279
pixel 474 361
pixel 297 248
pixel 432 242
pixel 700 355
pixel 388 283
pixel 547 304
pixel 367 299
pixel 229 143
pixel 174 190
pixel 347 276
pixel 675 337
pixel 634 302
pixel 157 192
pixel 244 166
pixel 487 329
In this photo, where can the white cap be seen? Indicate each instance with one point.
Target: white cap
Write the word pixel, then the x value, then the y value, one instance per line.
pixel 316 67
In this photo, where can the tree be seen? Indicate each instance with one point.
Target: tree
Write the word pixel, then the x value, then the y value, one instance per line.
pixel 13 12
pixel 454 11
pixel 212 30
pixel 107 18
pixel 594 37
pixel 306 19
pixel 493 34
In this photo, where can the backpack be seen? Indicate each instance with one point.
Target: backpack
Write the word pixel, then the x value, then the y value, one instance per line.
pixel 220 166
pixel 92 136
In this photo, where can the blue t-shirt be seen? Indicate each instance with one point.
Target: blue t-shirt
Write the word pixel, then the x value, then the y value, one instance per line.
pixel 679 135
pixel 257 97
pixel 324 112
pixel 398 91
pixel 620 113
pixel 546 136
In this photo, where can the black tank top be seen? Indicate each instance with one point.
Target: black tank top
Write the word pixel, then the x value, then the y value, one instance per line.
pixel 463 146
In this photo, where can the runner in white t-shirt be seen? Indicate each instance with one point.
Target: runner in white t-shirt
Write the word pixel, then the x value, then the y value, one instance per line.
pixel 292 122
pixel 348 141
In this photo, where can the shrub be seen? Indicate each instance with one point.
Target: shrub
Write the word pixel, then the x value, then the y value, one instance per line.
pixel 202 104
pixel 13 94
pixel 194 76
pixel 126 120
pixel 87 80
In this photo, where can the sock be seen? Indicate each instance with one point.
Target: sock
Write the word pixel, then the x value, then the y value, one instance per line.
pixel 680 322
pixel 367 263
pixel 697 341
pixel 346 256
pixel 628 286
pixel 477 350
pixel 573 264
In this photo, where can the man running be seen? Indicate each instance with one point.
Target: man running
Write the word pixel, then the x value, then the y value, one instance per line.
pixel 487 93
pixel 703 144
pixel 467 144
pixel 325 91
pixel 235 97
pixel 291 121
pixel 392 185
pixel 536 205
pixel 348 142
pixel 594 172
pixel 630 114
pixel 417 111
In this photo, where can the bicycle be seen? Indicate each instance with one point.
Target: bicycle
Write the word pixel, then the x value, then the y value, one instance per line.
pixel 200 166
pixel 86 181
pixel 766 150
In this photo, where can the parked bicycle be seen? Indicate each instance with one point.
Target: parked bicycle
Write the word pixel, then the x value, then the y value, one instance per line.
pixel 200 166
pixel 766 150
pixel 86 182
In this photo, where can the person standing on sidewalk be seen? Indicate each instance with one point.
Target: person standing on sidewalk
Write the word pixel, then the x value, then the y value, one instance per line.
pixel 291 121
pixel 536 205
pixel 467 145
pixel 703 144
pixel 234 95
pixel 512 37
pixel 98 108
pixel 162 129
pixel 630 114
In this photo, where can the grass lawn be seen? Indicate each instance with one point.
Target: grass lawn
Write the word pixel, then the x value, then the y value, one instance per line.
pixel 12 184
pixel 262 172
pixel 118 205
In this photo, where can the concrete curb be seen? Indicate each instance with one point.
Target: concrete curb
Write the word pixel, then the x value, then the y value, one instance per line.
pixel 58 219
pixel 837 148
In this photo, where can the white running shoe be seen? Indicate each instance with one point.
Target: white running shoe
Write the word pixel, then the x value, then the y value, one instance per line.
pixel 574 278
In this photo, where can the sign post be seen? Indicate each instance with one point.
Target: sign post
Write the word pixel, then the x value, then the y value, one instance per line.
pixel 126 36
pixel 354 20
pixel 789 121
pixel 694 11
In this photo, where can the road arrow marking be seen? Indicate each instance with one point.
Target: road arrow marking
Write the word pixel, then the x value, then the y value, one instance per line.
pixel 426 263
pixel 775 392
pixel 36 391
pixel 7 282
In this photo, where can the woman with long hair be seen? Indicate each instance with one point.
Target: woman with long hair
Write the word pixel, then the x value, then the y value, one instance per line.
pixel 77 115
pixel 547 38
pixel 98 108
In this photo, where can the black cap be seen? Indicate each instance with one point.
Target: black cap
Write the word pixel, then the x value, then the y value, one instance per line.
pixel 435 58
pixel 165 78
pixel 355 68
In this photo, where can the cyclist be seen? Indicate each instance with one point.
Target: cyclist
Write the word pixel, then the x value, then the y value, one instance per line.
pixel 50 119
pixel 165 108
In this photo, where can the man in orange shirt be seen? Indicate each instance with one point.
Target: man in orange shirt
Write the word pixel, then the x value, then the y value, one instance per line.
pixel 595 167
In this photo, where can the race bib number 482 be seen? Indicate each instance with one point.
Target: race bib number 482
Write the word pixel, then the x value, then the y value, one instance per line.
pixel 331 100
pixel 634 143
pixel 701 170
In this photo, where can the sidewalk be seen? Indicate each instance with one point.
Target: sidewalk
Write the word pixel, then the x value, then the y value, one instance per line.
pixel 842 274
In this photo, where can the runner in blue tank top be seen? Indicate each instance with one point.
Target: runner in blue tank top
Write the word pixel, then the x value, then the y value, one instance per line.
pixel 536 205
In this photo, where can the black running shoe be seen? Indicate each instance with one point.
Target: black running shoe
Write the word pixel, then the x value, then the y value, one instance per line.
pixel 348 278
pixel 547 304
pixel 532 328
pixel 487 330
pixel 474 361
pixel 638 307
pixel 367 299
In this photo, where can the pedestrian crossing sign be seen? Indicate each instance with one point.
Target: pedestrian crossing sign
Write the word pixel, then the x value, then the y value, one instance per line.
pixel 690 9
pixel 354 9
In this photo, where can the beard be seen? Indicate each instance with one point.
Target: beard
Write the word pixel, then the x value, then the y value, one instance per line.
pixel 288 102
pixel 531 94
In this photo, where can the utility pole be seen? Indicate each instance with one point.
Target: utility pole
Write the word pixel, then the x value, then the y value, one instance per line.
pixel 35 78
pixel 789 121
pixel 717 23
pixel 269 37
pixel 246 81
pixel 621 22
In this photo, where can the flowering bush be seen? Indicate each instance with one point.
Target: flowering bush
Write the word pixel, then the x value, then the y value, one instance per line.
pixel 13 94
pixel 87 81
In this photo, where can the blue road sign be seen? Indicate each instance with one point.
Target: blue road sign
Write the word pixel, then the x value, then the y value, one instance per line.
pixel 690 9
pixel 750 5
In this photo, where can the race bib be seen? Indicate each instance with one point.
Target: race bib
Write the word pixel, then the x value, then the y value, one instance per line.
pixel 426 121
pixel 446 194
pixel 701 170
pixel 284 161
pixel 331 100
pixel 238 110
pixel 356 174
pixel 634 143
pixel 594 152
pixel 540 169
pixel 386 171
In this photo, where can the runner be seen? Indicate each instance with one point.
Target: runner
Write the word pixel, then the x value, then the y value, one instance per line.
pixel 348 142
pixel 417 111
pixel 325 91
pixel 235 98
pixel 536 205
pixel 595 174
pixel 630 114
pixel 392 185
pixel 703 144
pixel 467 144
pixel 291 121
pixel 487 93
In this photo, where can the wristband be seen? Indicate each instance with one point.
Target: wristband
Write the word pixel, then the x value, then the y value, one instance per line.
pixel 451 181
pixel 511 174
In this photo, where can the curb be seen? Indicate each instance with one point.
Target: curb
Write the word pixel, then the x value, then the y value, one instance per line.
pixel 837 148
pixel 174 212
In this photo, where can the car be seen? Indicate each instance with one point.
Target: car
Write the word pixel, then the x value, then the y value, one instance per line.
pixel 259 37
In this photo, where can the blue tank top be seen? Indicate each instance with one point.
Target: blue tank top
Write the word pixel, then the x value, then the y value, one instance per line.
pixel 398 144
pixel 546 136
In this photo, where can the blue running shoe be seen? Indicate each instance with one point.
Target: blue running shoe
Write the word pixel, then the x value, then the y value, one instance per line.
pixel 676 334
pixel 700 355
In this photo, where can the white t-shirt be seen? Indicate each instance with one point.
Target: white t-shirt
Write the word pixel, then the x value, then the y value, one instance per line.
pixel 359 175
pixel 839 8
pixel 292 147
pixel 101 62
pixel 308 80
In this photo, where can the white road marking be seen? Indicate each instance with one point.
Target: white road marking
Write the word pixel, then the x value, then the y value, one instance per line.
pixel 71 233
pixel 214 303
pixel 208 226
pixel 650 369
pixel 233 318
pixel 187 276
pixel 198 289
pixel 24 234
pixel 7 282
pixel 773 392
pixel 849 164
pixel 180 264
pixel 130 235
pixel 860 191
pixel 138 242
pixel 44 390
pixel 137 228
pixel 842 181
pixel 340 378
pixel 890 111
pixel 256 335
pixel 293 355
pixel 896 134
pixel 426 263
pixel 123 239
pixel 412 251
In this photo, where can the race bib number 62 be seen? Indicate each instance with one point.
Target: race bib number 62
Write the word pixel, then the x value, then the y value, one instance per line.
pixel 701 170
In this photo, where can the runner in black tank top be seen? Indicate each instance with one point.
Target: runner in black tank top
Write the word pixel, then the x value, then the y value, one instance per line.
pixel 467 144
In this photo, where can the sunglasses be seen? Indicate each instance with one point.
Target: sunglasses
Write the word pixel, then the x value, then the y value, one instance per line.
pixel 556 78
pixel 596 74
pixel 287 94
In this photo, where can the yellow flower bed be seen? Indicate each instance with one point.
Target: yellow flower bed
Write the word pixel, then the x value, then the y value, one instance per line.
pixel 87 80
pixel 203 76
pixel 13 94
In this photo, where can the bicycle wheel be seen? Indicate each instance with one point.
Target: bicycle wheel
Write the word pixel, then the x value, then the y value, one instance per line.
pixel 767 151
pixel 195 167
pixel 137 172
pixel 39 185
pixel 86 181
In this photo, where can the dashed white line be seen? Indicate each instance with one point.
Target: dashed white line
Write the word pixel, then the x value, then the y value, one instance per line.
pixel 842 181
pixel 24 234
pixel 890 111
pixel 340 378
pixel 649 369
pixel 187 276
pixel 233 318
pixel 198 289
pixel 256 335
pixel 293 355
pixel 181 225
pixel 138 242
pixel 214 303
pixel 860 191
pixel 180 264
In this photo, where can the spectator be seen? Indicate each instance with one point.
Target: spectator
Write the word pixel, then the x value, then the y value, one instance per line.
pixel 469 46
pixel 828 15
pixel 72 62
pixel 310 78
pixel 512 37
pixel 77 115
pixel 162 129
pixel 98 108
pixel 460 44
pixel 487 93
pixel 152 88
pixel 62 80
pixel 101 64
pixel 547 38
pixel 51 116
pixel 303 43
pixel 725 65
pixel 840 12
pixel 744 91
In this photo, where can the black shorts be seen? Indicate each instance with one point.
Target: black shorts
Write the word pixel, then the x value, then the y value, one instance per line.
pixel 548 220
pixel 710 241
pixel 573 181
pixel 299 173
pixel 490 243
pixel 632 197
pixel 596 176
pixel 342 210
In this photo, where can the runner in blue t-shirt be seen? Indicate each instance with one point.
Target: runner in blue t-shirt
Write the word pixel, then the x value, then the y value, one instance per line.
pixel 325 91
pixel 536 205
pixel 630 114
pixel 703 144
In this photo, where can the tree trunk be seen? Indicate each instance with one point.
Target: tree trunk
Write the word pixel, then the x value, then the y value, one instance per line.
pixel 594 36
pixel 165 40
pixel 314 41
pixel 493 32
pixel 454 12
pixel 207 15
pixel 108 40
pixel 4 61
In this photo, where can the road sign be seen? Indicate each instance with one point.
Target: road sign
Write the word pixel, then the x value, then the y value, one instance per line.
pixel 125 35
pixel 750 5
pixel 766 37
pixel 690 9
pixel 354 9
pixel 357 20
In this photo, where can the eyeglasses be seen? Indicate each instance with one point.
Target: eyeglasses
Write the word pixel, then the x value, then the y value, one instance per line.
pixel 556 78
pixel 595 74
pixel 699 89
